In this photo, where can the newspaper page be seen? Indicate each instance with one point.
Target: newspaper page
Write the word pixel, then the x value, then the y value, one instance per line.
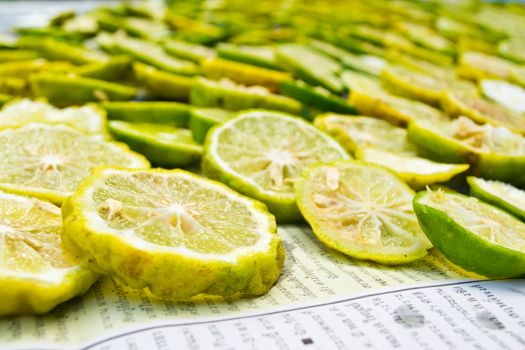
pixel 322 300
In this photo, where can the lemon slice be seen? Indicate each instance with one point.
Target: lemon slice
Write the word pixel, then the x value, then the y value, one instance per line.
pixel 477 66
pixel 417 172
pixel 48 161
pixel 35 272
pixel 505 94
pixel 500 194
pixel 173 232
pixel 482 111
pixel 89 118
pixel 475 235
pixel 356 132
pixel 161 144
pixel 262 153
pixel 362 210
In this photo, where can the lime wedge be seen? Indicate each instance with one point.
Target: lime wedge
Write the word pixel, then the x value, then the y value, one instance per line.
pixel 356 132
pixel 89 118
pixel 417 172
pixel 472 234
pixel 505 94
pixel 36 274
pixel 173 232
pixel 162 144
pixel 48 161
pixel 362 210
pixel 500 194
pixel 262 153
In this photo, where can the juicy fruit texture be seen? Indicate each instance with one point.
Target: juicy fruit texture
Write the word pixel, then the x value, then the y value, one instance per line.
pixel 500 194
pixel 482 111
pixel 48 161
pixel 417 172
pixel 88 118
pixel 173 232
pixel 358 132
pixel 36 274
pixel 161 144
pixel 493 152
pixel 362 210
pixel 475 235
pixel 262 153
pixel 505 94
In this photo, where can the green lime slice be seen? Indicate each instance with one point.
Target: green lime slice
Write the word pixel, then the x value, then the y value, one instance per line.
pixel 161 84
pixel 203 119
pixel 500 194
pixel 362 210
pixel 261 56
pixel 415 171
pixel 228 95
pixel 262 153
pixel 218 68
pixel 114 69
pixel 7 55
pixel 316 97
pixel 477 65
pixel 505 94
pixel 64 90
pixel 173 232
pixel 513 49
pixel 188 51
pixel 169 113
pixel 311 66
pixel 472 234
pixel 426 37
pixel 482 111
pixel 356 132
pixel 162 144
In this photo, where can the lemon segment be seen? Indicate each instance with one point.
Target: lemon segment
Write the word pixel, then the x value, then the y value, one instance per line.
pixel 362 210
pixel 48 161
pixel 262 153
pixel 472 234
pixel 36 274
pixel 176 233
pixel 417 172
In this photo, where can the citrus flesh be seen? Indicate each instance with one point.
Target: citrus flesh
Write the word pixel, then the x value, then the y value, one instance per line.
pixel 262 153
pixel 48 161
pixel 36 274
pixel 500 194
pixel 362 210
pixel 355 132
pixel 505 94
pixel 472 234
pixel 173 232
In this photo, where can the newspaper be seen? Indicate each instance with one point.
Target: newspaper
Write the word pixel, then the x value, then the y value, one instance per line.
pixel 322 300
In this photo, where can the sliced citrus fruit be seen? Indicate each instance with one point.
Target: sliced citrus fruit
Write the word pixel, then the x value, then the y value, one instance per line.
pixel 513 49
pixel 369 98
pixel 202 119
pixel 362 210
pixel 482 111
pixel 162 144
pixel 187 50
pixel 417 172
pixel 262 153
pixel 500 194
pixel 493 152
pixel 477 65
pixel 162 84
pixel 422 87
pixel 426 37
pixel 48 161
pixel 173 232
pixel 231 96
pixel 261 56
pixel 157 112
pixel 472 234
pixel 89 118
pixel 356 132
pixel 36 274
pixel 505 94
